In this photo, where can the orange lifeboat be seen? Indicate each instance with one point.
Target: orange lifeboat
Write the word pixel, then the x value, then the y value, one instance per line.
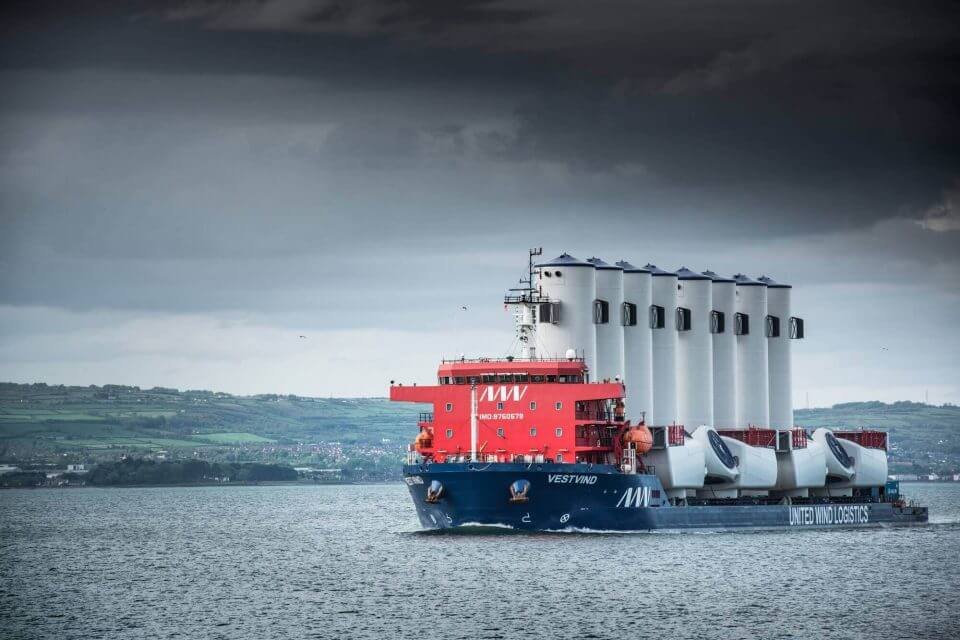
pixel 423 441
pixel 640 437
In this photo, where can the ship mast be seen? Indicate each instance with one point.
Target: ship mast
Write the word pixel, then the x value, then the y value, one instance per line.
pixel 526 297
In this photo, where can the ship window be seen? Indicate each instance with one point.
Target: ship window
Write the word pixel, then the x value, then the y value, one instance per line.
pixel 499 406
pixel 533 432
pixel 773 327
pixel 536 378
pixel 559 431
pixel 629 318
pixel 500 432
pixel 558 406
pixel 449 433
pixel 658 317
pixel 601 312
pixel 551 378
pixel 460 380
pixel 533 406
pixel 506 377
pixel 741 324
pixel 717 320
pixel 796 328
pixel 449 407
pixel 488 378
pixel 559 457
pixel 549 312
pixel 683 319
pixel 521 377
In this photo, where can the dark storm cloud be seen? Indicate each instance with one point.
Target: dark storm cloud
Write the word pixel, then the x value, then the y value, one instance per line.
pixel 841 114
pixel 232 131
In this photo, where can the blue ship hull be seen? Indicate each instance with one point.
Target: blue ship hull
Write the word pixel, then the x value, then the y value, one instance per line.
pixel 598 497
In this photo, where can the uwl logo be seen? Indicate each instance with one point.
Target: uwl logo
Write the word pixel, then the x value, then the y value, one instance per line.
pixel 503 393
pixel 634 497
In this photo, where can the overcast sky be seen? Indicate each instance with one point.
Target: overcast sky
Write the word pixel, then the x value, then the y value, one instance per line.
pixel 186 188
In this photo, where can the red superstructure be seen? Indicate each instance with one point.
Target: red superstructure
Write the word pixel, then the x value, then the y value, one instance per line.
pixel 865 438
pixel 533 410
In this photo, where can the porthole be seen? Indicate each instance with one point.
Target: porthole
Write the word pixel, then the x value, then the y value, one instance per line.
pixel 533 432
pixel 533 406
pixel 559 431
pixel 500 432
pixel 558 406
pixel 559 457
pixel 499 406
pixel 449 434
pixel 449 407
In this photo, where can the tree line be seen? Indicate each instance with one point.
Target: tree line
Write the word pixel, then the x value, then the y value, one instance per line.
pixel 139 471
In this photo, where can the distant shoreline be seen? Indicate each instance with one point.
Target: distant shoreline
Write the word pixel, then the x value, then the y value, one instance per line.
pixel 274 483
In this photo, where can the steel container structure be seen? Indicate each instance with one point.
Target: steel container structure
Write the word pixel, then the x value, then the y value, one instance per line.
pixel 694 349
pixel 608 320
pixel 565 319
pixel 779 353
pixel 753 397
pixel 724 351
pixel 637 340
pixel 664 345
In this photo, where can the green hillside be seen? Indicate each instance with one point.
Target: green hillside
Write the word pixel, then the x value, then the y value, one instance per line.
pixel 46 424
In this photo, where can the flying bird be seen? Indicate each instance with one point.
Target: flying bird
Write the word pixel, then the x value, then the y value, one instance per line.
pixel 464 308
pixel 303 336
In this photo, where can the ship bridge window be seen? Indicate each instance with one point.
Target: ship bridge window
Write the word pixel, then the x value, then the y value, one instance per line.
pixel 506 377
pixel 459 380
pixel 549 312
pixel 473 380
pixel 488 378
pixel 629 315
pixel 683 319
pixel 658 317
pixel 773 327
pixel 537 379
pixel 741 324
pixel 717 320
pixel 796 328
pixel 551 378
pixel 601 312
pixel 521 377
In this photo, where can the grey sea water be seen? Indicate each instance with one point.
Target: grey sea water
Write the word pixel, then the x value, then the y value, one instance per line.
pixel 349 562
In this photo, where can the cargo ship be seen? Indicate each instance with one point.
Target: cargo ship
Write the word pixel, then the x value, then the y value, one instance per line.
pixel 640 399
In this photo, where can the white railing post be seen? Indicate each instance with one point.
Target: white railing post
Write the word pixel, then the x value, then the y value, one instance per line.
pixel 473 422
